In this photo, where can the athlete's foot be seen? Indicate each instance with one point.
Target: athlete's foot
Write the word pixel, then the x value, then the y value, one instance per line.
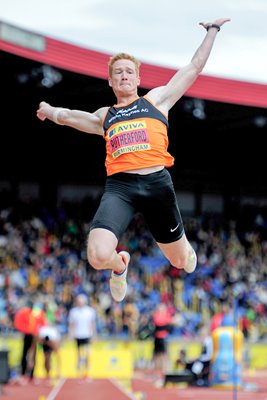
pixel 192 262
pixel 117 282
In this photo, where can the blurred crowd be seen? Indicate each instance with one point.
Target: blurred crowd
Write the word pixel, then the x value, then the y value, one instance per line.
pixel 43 259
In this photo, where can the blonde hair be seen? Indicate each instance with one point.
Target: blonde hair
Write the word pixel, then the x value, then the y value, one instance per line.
pixel 122 56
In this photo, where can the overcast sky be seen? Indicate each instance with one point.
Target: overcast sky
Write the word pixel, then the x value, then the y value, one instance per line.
pixel 163 32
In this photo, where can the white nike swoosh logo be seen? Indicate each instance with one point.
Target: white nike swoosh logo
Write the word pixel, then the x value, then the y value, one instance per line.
pixel 174 229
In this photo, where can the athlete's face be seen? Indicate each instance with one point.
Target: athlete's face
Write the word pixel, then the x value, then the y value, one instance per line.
pixel 124 77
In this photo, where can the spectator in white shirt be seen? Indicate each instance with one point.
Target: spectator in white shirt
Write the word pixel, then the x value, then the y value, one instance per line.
pixel 82 328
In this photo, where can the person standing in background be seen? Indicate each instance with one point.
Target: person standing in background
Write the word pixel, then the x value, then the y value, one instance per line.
pixel 28 320
pixel 82 328
pixel 162 319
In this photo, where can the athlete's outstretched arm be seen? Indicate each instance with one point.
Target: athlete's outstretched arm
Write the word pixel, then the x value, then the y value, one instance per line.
pixel 81 120
pixel 166 96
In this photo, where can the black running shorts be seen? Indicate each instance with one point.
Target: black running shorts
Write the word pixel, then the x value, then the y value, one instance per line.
pixel 153 195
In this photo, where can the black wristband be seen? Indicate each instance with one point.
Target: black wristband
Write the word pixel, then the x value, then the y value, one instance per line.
pixel 213 26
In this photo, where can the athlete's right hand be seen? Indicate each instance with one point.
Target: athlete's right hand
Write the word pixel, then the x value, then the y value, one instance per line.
pixel 42 110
